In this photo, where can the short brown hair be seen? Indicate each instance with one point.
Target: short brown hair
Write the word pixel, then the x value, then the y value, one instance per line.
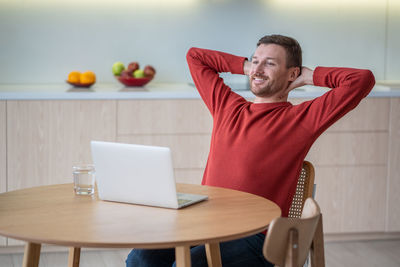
pixel 291 46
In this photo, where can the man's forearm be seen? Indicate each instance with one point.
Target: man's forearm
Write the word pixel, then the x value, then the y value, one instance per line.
pixel 307 75
pixel 204 66
pixel 246 67
pixel 214 60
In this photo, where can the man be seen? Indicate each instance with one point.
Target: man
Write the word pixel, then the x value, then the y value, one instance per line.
pixel 259 147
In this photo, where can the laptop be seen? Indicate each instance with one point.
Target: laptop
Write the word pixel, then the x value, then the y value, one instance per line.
pixel 138 174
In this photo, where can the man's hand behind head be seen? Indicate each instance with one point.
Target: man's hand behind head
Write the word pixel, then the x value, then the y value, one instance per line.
pixel 306 78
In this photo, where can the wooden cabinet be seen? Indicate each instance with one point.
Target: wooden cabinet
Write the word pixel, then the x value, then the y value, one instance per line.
pixel 356 160
pixel 350 161
pixel 393 194
pixel 174 116
pixel 3 155
pixel 3 147
pixel 183 125
pixel 46 138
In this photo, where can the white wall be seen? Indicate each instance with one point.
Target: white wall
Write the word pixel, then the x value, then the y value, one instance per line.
pixel 393 41
pixel 41 41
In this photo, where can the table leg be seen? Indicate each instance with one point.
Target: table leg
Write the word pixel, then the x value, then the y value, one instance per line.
pixel 182 256
pixel 213 255
pixel 74 257
pixel 31 255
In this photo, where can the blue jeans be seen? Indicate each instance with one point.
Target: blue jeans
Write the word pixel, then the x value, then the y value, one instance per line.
pixel 242 252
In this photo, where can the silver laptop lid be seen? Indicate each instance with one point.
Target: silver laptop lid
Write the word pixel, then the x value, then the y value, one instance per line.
pixel 134 174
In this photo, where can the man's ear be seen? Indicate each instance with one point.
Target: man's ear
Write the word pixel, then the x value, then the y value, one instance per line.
pixel 294 72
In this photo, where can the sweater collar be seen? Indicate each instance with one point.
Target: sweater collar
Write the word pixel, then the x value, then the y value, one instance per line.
pixel 269 105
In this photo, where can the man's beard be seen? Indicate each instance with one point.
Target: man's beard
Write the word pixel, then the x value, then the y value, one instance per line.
pixel 267 89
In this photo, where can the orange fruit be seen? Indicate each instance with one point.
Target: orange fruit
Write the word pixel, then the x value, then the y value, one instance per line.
pixel 74 77
pixel 88 77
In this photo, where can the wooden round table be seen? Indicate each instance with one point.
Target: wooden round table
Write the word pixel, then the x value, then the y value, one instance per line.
pixel 55 215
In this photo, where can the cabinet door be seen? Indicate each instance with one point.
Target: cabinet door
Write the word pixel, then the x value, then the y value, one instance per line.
pixel 3 147
pixel 171 116
pixel 352 198
pixel 394 167
pixel 46 138
pixel 350 161
pixel 183 125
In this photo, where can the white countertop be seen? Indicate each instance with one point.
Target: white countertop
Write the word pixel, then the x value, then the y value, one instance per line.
pixel 103 91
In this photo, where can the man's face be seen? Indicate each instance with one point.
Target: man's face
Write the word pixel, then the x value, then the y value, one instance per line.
pixel 268 73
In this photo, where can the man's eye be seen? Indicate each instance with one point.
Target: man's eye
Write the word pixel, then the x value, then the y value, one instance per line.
pixel 255 62
pixel 271 64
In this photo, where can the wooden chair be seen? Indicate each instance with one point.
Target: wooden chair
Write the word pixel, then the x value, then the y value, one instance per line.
pixel 289 240
pixel 304 190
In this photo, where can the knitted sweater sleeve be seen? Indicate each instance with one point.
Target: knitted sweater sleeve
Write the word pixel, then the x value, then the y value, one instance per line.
pixel 349 86
pixel 204 66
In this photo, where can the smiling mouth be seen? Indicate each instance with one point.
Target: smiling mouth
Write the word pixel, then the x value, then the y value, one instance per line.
pixel 258 79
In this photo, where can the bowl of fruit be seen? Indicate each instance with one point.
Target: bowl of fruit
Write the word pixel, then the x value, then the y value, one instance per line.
pixel 133 75
pixel 84 79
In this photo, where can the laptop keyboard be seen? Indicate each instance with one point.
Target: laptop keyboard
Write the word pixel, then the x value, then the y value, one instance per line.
pixel 182 201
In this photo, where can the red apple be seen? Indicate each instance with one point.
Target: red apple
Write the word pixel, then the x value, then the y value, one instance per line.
pixel 133 66
pixel 126 73
pixel 149 70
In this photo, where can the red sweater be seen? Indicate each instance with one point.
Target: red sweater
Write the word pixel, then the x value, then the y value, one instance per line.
pixel 260 148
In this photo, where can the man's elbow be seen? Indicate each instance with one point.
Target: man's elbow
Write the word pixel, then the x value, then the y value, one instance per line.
pixel 369 79
pixel 191 53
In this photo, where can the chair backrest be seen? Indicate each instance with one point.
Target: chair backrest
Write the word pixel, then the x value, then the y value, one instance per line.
pixel 304 190
pixel 288 240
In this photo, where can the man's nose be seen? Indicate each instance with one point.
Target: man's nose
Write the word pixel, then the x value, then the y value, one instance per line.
pixel 258 69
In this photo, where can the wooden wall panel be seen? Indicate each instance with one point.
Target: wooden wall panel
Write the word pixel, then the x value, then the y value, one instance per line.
pixel 183 125
pixel 188 151
pixel 46 138
pixel 189 176
pixel 163 117
pixel 352 198
pixel 3 147
pixel 350 159
pixel 393 215
pixel 350 148
pixel 372 114
pixel 3 159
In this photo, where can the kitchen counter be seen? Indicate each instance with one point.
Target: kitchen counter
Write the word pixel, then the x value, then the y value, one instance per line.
pixel 151 91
